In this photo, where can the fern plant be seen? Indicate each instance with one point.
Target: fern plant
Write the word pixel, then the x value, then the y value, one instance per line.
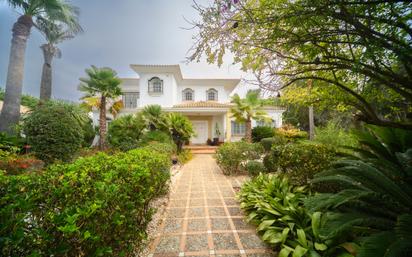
pixel 374 200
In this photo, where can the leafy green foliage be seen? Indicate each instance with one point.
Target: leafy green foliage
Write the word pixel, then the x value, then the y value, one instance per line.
pixel 166 148
pixel 260 132
pixel 248 108
pixel 268 143
pixel 300 160
pixel 54 130
pixel 374 200
pixel 125 132
pixel 232 157
pixel 184 156
pixel 180 129
pixel 154 117
pixel 26 100
pixel 290 133
pixel 335 136
pixel 155 136
pixel 96 206
pixel 254 168
pixel 276 207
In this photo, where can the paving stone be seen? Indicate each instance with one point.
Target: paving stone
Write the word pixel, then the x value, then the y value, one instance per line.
pixel 173 225
pixel 197 202
pixel 235 211
pixel 211 194
pixel 196 242
pixel 214 202
pixel 230 202
pixel 196 195
pixel 261 255
pixel 168 244
pixel 228 193
pixel 251 241
pixel 197 225
pixel 178 203
pixel 224 241
pixel 220 224
pixel 217 211
pixel 240 224
pixel 197 212
pixel 176 213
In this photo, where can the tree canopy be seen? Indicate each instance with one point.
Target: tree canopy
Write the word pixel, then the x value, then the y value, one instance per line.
pixel 355 53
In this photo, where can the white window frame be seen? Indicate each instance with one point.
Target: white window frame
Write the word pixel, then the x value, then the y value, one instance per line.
pixel 238 129
pixel 155 86
pixel 130 99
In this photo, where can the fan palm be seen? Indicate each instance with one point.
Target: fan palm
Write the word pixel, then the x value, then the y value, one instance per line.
pixel 180 128
pixel 31 10
pixel 374 199
pixel 104 84
pixel 153 117
pixel 54 33
pixel 247 109
pixel 114 106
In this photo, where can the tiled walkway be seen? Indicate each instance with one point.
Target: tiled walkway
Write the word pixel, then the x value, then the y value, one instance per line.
pixel 204 219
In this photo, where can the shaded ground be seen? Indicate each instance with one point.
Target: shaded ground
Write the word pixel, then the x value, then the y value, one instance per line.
pixel 204 219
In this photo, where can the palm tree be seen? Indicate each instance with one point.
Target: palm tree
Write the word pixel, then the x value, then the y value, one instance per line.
pixel 54 33
pixel 115 106
pixel 104 84
pixel 180 129
pixel 247 109
pixel 56 10
pixel 153 117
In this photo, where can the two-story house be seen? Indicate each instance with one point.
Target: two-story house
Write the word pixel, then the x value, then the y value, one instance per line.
pixel 206 102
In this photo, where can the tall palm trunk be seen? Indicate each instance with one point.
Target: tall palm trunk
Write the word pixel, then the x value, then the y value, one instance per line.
pixel 10 113
pixel 102 123
pixel 46 76
pixel 248 136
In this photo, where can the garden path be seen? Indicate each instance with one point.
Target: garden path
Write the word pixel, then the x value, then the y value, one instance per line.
pixel 203 217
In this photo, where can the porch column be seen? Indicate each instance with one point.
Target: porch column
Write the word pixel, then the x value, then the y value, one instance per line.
pixel 228 128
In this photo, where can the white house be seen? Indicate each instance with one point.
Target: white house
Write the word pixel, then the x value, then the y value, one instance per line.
pixel 206 102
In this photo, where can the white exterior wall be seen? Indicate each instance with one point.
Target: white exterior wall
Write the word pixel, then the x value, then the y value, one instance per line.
pixel 165 99
pixel 200 92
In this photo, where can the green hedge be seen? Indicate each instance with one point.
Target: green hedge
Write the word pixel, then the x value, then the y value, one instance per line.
pixel 96 206
pixel 260 132
pixel 232 157
pixel 300 160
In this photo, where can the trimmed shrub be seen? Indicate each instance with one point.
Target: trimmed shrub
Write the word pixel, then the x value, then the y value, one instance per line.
pixel 96 206
pixel 268 143
pixel 291 133
pixel 300 160
pixel 254 168
pixel 54 131
pixel 231 157
pixel 260 132
pixel 89 133
pixel 156 136
pixel 184 156
pixel 124 132
pixel 166 148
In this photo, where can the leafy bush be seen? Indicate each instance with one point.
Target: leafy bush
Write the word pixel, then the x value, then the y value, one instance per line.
pixel 254 168
pixel 260 132
pixel 125 132
pixel 54 131
pixel 232 156
pixel 291 133
pixel 300 160
pixel 89 133
pixel 275 206
pixel 155 136
pixel 96 206
pixel 166 148
pixel 269 142
pixel 17 164
pixel 184 156
pixel 332 134
pixel 374 202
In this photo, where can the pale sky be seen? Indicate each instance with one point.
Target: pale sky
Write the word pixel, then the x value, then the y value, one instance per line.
pixel 117 33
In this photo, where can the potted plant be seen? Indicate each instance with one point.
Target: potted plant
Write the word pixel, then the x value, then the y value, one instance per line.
pixel 217 135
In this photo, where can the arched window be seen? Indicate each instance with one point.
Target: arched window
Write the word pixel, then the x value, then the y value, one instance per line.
pixel 211 94
pixel 188 95
pixel 155 85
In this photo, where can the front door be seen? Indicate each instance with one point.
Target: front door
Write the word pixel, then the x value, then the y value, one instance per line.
pixel 201 129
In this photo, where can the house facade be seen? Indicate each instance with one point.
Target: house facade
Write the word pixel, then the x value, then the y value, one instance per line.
pixel 206 102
